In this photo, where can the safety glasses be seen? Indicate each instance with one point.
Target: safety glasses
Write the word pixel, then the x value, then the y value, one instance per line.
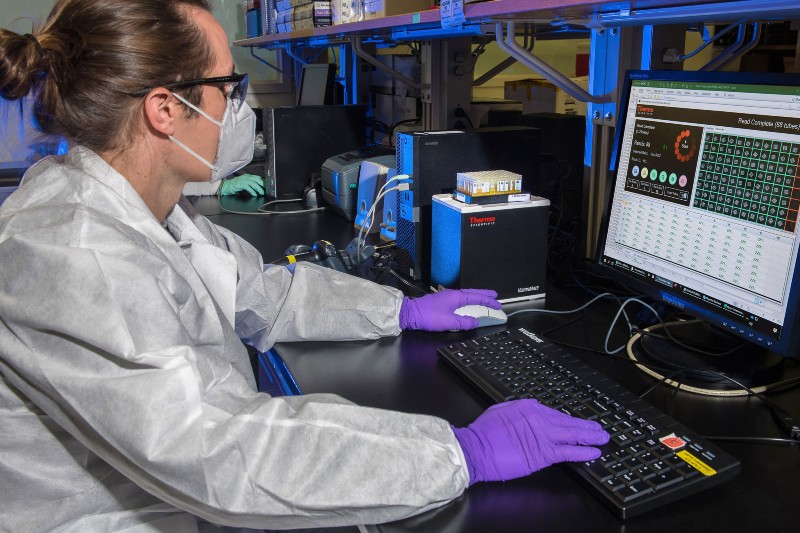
pixel 235 86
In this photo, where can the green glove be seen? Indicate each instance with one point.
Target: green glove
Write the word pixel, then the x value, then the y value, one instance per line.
pixel 246 182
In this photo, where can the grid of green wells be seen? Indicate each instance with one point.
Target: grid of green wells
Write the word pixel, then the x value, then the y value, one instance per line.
pixel 750 179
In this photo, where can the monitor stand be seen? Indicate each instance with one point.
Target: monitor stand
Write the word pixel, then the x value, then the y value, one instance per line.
pixel 751 365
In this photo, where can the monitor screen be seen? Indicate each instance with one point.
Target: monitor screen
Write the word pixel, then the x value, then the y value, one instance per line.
pixel 316 84
pixel 702 211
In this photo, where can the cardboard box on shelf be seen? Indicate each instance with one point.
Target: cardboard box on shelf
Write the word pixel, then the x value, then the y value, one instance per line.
pixel 374 9
pixel 541 96
pixel 310 15
pixel 282 5
pixel 343 11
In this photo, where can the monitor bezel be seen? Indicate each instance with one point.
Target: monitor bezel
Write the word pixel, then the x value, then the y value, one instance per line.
pixel 789 342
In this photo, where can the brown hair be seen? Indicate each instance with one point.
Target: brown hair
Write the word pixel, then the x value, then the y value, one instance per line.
pixel 88 54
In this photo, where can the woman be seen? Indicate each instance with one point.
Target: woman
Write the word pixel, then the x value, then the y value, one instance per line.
pixel 126 397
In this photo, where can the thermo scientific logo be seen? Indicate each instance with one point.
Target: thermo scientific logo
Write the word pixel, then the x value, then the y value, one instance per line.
pixel 643 110
pixel 481 221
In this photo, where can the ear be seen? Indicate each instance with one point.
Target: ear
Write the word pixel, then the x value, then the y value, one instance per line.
pixel 161 109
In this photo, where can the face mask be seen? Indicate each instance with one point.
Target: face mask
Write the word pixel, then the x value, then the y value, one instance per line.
pixel 236 137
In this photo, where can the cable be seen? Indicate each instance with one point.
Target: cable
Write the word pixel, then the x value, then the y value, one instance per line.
pixel 405 281
pixel 551 312
pixel 581 308
pixel 394 126
pixel 616 317
pixel 789 424
pixel 742 391
pixel 584 306
pixel 263 211
pixel 688 347
pixel 232 211
pixel 785 421
pixel 661 381
pixel 370 216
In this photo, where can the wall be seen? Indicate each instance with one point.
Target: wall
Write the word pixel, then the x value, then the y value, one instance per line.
pixel 266 87
pixel 19 140
pixel 559 54
pixel 20 15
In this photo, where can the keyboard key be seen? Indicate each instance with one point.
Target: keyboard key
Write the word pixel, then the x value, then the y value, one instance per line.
pixel 598 470
pixel 631 492
pixel 665 479
pixel 621 440
pixel 613 484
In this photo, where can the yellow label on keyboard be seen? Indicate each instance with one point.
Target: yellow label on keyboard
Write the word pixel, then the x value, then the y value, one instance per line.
pixel 699 465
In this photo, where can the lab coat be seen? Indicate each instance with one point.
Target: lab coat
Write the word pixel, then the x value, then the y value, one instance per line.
pixel 127 399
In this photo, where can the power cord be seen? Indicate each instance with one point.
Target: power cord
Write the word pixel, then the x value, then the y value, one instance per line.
pixel 399 123
pixel 369 218
pixel 584 306
pixel 743 390
pixel 261 209
pixel 788 424
pixel 568 312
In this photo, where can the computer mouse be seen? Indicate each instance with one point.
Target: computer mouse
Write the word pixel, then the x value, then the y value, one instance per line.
pixel 486 315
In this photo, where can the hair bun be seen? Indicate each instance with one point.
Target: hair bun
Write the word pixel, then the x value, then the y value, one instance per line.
pixel 22 60
pixel 35 42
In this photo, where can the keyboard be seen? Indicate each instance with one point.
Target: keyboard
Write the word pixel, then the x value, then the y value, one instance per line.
pixel 651 459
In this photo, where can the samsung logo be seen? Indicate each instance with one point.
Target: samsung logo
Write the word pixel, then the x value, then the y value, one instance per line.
pixel 673 301
pixel 532 288
pixel 530 335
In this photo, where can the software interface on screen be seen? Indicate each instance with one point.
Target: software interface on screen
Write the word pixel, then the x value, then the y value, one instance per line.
pixel 706 199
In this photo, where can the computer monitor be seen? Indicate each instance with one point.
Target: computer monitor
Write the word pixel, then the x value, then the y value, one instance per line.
pixel 316 84
pixel 702 214
pixel 299 139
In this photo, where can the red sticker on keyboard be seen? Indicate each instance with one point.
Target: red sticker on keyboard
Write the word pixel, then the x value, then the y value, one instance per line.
pixel 672 441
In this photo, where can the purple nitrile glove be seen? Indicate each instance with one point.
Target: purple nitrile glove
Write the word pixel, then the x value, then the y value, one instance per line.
pixel 434 312
pixel 513 439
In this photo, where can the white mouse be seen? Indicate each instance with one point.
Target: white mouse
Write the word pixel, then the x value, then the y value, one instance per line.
pixel 486 315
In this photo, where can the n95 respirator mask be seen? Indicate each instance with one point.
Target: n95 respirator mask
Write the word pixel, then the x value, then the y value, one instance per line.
pixel 237 136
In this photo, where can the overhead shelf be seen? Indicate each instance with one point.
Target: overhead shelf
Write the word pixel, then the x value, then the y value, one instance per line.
pixel 427 24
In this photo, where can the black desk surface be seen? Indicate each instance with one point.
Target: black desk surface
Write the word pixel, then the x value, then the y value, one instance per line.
pixel 273 234
pixel 404 373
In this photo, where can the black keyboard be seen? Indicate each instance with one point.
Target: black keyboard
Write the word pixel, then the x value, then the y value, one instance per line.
pixel 651 459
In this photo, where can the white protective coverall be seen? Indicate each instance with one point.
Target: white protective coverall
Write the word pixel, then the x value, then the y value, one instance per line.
pixel 127 399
